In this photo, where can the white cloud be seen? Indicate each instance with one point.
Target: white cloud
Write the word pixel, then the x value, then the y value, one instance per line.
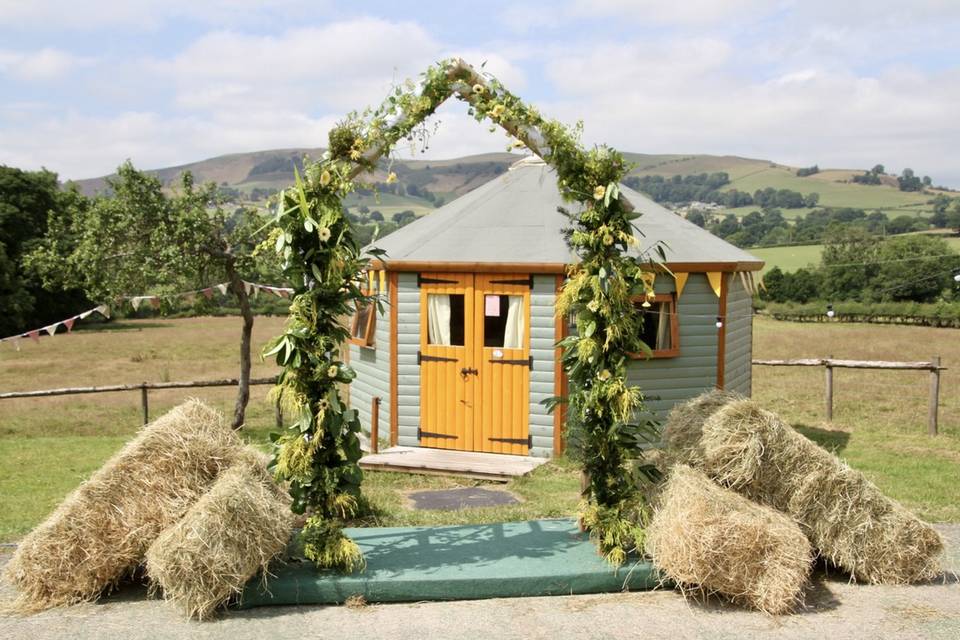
pixel 685 12
pixel 43 64
pixel 150 14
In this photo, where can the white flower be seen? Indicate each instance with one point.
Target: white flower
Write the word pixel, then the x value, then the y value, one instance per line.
pixel 479 89
pixel 605 374
pixel 593 305
pixel 497 111
pixel 607 239
pixel 325 178
pixel 391 177
pixel 333 371
pixel 324 234
pixel 599 192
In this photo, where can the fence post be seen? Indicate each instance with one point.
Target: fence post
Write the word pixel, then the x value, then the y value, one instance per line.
pixel 829 383
pixel 932 416
pixel 144 403
pixel 375 424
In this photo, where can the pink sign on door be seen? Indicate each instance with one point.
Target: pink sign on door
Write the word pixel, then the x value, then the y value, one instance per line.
pixel 491 306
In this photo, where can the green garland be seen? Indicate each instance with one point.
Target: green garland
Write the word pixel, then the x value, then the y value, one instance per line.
pixel 319 453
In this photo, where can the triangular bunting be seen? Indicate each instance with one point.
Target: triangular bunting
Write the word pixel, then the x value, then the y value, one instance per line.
pixel 51 328
pixel 248 287
pixel 68 323
pixel 34 335
pixel 680 280
pixel 716 281
pixel 207 293
pixel 154 302
pixel 135 302
pixel 103 310
pixel 223 289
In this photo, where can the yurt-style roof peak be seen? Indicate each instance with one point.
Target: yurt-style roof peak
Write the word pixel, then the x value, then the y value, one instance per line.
pixel 514 219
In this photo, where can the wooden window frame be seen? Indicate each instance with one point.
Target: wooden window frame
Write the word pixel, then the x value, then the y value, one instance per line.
pixel 367 339
pixel 674 350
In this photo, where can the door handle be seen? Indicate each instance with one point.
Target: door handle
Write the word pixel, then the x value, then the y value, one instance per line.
pixel 464 372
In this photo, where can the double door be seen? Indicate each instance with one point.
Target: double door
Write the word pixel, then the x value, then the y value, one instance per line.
pixel 475 362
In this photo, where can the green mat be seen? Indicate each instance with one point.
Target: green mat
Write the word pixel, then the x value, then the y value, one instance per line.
pixel 535 558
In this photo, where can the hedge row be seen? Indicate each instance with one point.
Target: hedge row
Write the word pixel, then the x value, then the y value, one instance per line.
pixel 941 314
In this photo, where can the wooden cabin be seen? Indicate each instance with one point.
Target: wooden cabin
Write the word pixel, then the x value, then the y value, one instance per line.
pixel 463 354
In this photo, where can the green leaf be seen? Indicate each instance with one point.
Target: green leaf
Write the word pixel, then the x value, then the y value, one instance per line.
pixel 590 329
pixel 316 272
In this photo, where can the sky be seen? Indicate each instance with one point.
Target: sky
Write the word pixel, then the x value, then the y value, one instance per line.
pixel 85 85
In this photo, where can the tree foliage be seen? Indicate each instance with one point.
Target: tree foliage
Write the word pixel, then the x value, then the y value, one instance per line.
pixel 26 200
pixel 141 240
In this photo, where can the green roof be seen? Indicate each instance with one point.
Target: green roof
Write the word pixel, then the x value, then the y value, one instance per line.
pixel 515 219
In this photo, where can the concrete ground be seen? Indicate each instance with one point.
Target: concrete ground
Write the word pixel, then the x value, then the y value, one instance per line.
pixel 835 610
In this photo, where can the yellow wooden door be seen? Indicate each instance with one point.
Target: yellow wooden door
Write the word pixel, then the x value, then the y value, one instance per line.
pixel 447 381
pixel 502 357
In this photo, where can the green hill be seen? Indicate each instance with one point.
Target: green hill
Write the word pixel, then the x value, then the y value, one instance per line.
pixel 255 174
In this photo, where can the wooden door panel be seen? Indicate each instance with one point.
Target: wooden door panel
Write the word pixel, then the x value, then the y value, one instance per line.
pixel 446 395
pixel 503 416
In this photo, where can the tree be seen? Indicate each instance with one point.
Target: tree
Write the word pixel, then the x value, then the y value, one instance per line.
pixel 26 197
pixel 141 240
pixel 697 218
pixel 404 217
pixel 914 267
pixel 848 264
pixel 953 217
pixel 909 182
pixel 376 216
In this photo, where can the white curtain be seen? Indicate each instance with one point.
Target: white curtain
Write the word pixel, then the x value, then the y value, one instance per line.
pixel 438 319
pixel 663 327
pixel 513 333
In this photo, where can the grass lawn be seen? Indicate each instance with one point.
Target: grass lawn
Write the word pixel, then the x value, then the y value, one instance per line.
pixel 879 417
pixel 788 258
pixel 48 445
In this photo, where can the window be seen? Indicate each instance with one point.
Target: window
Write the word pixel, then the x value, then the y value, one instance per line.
pixel 445 319
pixel 503 321
pixel 661 325
pixel 361 328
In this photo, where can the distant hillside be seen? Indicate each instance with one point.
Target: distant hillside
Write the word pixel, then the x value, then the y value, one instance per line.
pixel 425 184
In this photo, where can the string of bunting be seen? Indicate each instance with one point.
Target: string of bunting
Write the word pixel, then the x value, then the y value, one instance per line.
pixel 253 288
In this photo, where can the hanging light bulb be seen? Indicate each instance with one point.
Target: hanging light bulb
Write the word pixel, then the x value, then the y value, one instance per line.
pixel 719 322
pixel 830 312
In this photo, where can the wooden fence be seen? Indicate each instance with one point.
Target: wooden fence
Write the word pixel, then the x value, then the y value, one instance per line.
pixel 829 364
pixel 143 387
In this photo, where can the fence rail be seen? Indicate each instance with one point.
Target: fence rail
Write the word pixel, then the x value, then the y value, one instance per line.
pixel 829 364
pixel 143 387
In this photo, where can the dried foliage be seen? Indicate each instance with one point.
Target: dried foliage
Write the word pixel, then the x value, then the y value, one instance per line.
pixel 708 538
pixel 845 516
pixel 100 532
pixel 226 538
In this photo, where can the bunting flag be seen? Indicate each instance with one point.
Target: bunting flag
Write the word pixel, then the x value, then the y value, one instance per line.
pixel 716 281
pixel 252 288
pixel 680 279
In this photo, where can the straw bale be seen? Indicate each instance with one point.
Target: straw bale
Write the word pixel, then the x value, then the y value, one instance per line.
pixel 684 425
pixel 845 516
pixel 98 535
pixel 229 535
pixel 708 538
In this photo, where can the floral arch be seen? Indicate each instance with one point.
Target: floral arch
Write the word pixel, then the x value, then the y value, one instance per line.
pixel 319 451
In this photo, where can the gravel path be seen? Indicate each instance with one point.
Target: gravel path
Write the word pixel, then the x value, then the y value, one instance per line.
pixel 835 610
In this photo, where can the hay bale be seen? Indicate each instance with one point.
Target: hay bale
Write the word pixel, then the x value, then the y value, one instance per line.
pixel 684 425
pixel 705 537
pixel 230 534
pixel 100 532
pixel 844 515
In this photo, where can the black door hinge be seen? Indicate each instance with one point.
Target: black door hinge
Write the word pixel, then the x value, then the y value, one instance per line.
pixel 421 434
pixel 421 358
pixel 526 363
pixel 527 441
pixel 525 281
pixel 422 281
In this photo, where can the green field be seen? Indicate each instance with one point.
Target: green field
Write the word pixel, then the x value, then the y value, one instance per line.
pixel 49 445
pixel 793 258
